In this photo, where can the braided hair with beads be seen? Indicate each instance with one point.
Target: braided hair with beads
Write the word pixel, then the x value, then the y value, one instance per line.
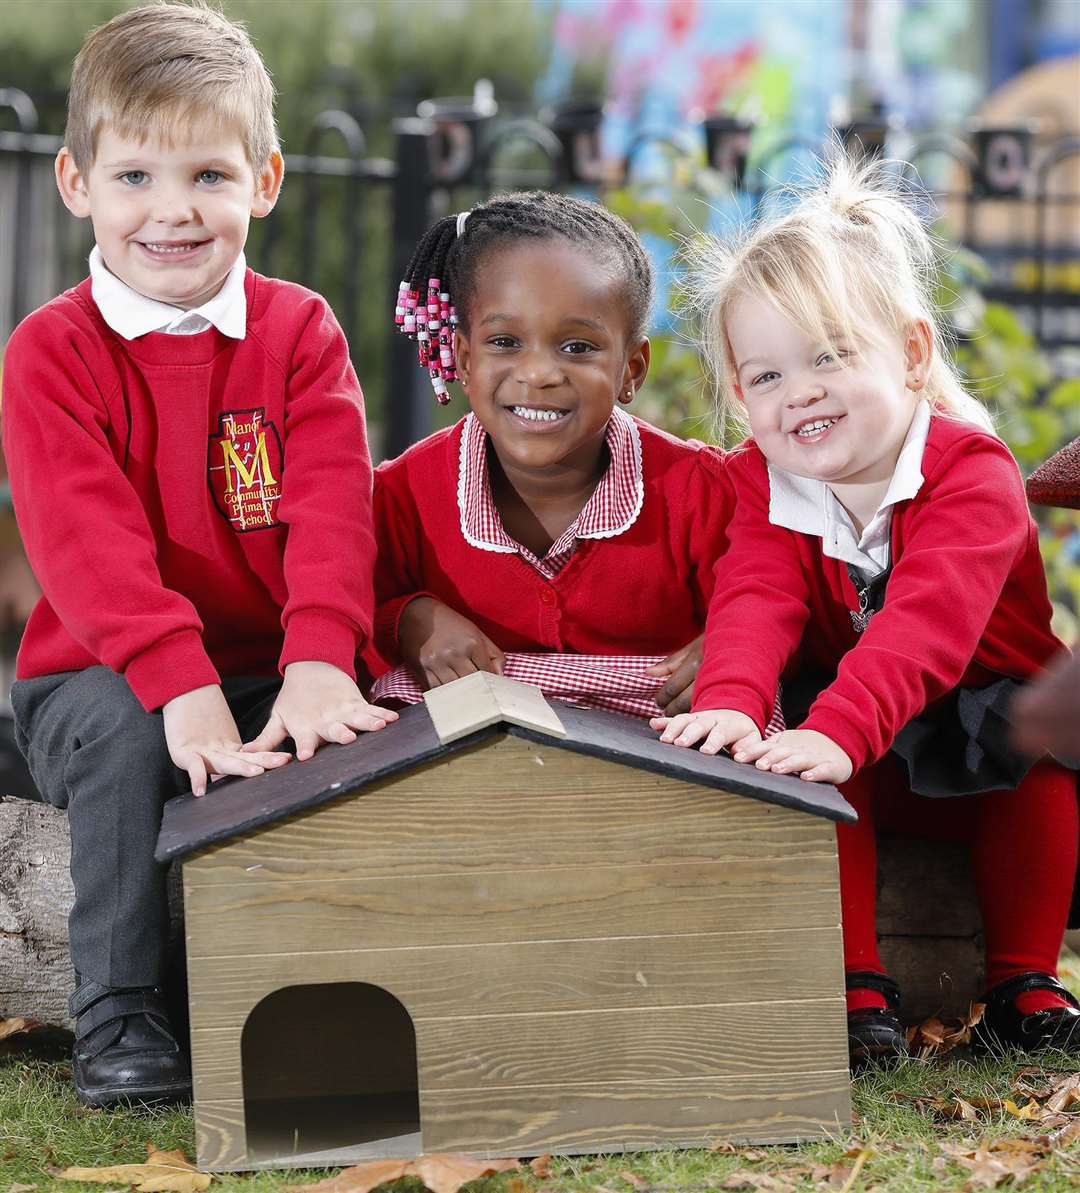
pixel 436 292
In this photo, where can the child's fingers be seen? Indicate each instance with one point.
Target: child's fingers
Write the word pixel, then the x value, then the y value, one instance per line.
pixel 273 734
pixel 823 772
pixel 748 748
pixel 267 759
pixel 340 733
pixel 680 702
pixel 773 755
pixel 673 726
pixel 307 742
pixel 480 657
pixel 668 665
pixel 365 718
pixel 797 760
pixel 382 714
pixel 692 732
pixel 196 770
pixel 716 740
pixel 659 723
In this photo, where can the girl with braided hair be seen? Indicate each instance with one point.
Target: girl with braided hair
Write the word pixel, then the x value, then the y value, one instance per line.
pixel 548 534
pixel 882 550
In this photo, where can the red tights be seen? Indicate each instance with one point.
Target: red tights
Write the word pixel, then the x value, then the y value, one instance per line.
pixel 1023 850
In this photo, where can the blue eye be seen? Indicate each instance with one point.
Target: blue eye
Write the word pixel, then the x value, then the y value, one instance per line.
pixel 210 176
pixel 134 177
pixel 763 378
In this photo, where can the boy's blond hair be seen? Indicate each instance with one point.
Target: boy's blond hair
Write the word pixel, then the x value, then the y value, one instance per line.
pixel 164 65
pixel 850 261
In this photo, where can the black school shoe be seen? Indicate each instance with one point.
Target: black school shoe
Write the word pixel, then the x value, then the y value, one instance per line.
pixel 875 1035
pixel 1004 1026
pixel 125 1048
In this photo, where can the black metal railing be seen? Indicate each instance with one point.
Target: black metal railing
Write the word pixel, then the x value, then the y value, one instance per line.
pixel 347 221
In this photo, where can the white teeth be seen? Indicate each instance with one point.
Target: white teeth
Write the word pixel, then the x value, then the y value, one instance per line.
pixel 543 416
pixel 168 248
pixel 818 424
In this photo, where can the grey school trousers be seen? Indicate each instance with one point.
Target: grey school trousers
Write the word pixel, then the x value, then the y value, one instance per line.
pixel 93 750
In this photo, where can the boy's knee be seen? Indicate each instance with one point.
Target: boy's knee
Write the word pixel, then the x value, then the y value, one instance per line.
pixel 97 710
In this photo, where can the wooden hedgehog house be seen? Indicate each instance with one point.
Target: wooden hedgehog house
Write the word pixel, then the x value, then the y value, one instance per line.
pixel 498 929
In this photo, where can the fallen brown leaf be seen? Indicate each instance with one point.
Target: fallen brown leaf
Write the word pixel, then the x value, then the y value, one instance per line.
pixel 639 1182
pixel 17 1188
pixel 163 1172
pixel 1064 1093
pixel 440 1172
pixel 516 1185
pixel 745 1179
pixel 14 1027
pixel 1066 1137
pixel 935 1037
pixel 1031 1111
pixel 541 1166
pixel 992 1162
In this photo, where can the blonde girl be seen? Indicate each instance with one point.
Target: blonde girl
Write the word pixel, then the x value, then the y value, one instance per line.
pixel 882 557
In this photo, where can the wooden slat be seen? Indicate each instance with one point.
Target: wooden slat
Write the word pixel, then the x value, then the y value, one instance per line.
pixel 751 1039
pixel 576 1119
pixel 610 1118
pixel 575 903
pixel 220 1139
pixel 513 804
pixel 624 972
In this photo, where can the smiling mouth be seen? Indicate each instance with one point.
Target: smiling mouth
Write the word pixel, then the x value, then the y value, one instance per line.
pixel 171 248
pixel 533 414
pixel 815 427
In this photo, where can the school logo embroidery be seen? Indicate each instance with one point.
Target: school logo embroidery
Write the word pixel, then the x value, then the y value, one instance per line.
pixel 244 469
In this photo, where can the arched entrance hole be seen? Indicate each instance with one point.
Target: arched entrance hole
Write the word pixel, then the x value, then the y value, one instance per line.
pixel 330 1075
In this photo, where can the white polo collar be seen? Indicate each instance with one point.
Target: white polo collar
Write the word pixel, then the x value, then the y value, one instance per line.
pixel 131 314
pixel 808 505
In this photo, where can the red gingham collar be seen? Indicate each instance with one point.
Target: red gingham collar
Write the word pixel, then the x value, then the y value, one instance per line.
pixel 612 509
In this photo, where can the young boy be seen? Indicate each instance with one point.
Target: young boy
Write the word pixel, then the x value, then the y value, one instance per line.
pixel 191 478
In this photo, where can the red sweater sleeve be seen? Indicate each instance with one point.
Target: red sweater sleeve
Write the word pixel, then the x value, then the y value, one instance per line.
pixel 71 496
pixel 326 500
pixel 398 533
pixel 701 509
pixel 968 529
pixel 759 604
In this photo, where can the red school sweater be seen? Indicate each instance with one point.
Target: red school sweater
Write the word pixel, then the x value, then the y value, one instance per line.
pixel 645 591
pixel 192 506
pixel 966 601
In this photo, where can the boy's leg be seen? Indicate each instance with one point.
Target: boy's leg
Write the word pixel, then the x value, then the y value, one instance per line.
pixel 94 751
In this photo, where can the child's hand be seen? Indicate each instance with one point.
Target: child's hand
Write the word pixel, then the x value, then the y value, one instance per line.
pixel 719 727
pixel 439 645
pixel 805 752
pixel 318 703
pixel 203 739
pixel 681 668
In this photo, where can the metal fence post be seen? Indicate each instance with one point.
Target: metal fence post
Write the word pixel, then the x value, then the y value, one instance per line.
pixel 26 116
pixel 409 398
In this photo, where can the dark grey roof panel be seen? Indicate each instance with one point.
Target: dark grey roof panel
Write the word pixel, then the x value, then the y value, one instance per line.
pixel 235 806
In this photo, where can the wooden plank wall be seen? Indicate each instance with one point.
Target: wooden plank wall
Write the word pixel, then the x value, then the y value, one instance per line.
pixel 593 956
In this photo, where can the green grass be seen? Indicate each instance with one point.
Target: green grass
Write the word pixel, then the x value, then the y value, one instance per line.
pixel 43 1128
